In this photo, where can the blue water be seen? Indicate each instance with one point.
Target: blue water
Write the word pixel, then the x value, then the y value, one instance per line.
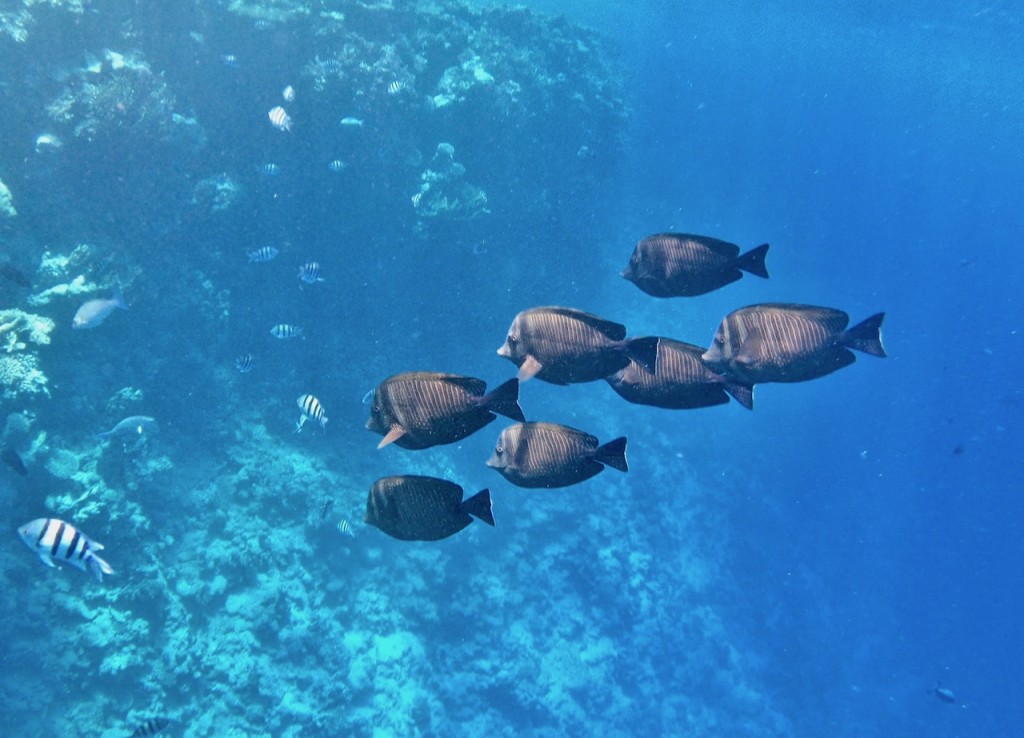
pixel 814 567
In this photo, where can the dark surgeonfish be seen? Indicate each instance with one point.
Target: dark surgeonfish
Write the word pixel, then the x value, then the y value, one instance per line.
pixel 422 409
pixel 684 265
pixel 551 455
pixel 563 345
pixel 944 694
pixel 12 274
pixel 153 726
pixel 413 508
pixel 13 459
pixel 780 342
pixel 682 381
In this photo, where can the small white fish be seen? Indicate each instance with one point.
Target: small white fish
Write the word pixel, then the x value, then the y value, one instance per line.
pixel 285 330
pixel 279 119
pixel 262 255
pixel 336 165
pixel 270 169
pixel 47 142
pixel 245 363
pixel 288 93
pixel 353 122
pixel 229 60
pixel 54 539
pixel 94 312
pixel 310 272
pixel 311 410
pixel 345 528
pixel 395 87
pixel 136 425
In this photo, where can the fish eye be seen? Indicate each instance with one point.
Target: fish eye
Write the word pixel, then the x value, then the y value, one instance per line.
pixel 499 450
pixel 512 339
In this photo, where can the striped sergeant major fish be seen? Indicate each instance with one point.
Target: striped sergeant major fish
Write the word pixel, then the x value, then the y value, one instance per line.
pixel 285 330
pixel 245 363
pixel 153 726
pixel 262 255
pixel 311 410
pixel 310 272
pixel 280 119
pixel 345 528
pixel 54 540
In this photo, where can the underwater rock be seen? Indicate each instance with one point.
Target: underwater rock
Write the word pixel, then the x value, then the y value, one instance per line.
pixel 458 82
pixel 62 463
pixel 269 11
pixel 127 102
pixel 20 373
pixel 6 202
pixel 217 194
pixel 444 191
pixel 34 328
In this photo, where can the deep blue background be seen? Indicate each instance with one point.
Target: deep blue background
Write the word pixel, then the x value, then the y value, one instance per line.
pixel 879 152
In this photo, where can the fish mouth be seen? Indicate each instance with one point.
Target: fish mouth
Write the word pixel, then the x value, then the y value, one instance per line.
pixel 504 351
pixel 494 463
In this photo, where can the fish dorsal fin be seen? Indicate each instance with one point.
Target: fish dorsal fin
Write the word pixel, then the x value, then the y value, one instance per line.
pixel 614 331
pixel 393 435
pixel 529 368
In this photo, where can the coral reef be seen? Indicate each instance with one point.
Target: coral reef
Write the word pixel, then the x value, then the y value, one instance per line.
pixel 6 202
pixel 20 372
pixel 217 194
pixel 237 607
pixel 444 190
pixel 127 101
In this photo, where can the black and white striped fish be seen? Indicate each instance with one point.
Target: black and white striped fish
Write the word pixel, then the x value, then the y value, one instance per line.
pixel 345 528
pixel 310 272
pixel 286 330
pixel 245 363
pixel 262 255
pixel 395 87
pixel 311 410
pixel 280 119
pixel 54 540
pixel 151 727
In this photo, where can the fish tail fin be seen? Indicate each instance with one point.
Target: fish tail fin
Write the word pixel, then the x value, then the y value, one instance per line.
pixel 118 299
pixel 644 351
pixel 479 506
pixel 866 336
pixel 753 261
pixel 742 393
pixel 504 400
pixel 99 567
pixel 613 454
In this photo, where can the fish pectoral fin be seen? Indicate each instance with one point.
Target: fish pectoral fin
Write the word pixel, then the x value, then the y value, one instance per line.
pixel 529 369
pixel 47 560
pixel 393 435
